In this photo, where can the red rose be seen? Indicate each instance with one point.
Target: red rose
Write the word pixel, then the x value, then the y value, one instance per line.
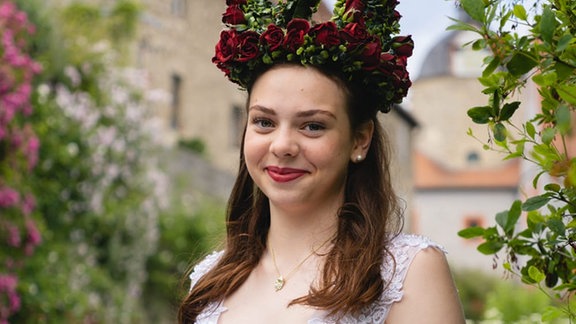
pixel 355 8
pixel 248 42
pixel 354 34
pixel 235 2
pixel 401 75
pixel 273 36
pixel 354 4
pixel 325 34
pixel 226 48
pixel 233 16
pixel 371 55
pixel 296 30
pixel 403 45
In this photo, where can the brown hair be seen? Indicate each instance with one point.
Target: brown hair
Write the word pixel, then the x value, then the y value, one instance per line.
pixel 368 219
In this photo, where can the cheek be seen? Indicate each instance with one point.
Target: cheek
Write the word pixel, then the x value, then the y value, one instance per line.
pixel 331 152
pixel 254 149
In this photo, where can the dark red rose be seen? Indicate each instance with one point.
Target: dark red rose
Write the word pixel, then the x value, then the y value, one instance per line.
pixel 355 8
pixel 227 47
pixel 233 16
pixel 387 57
pixel 235 2
pixel 273 36
pixel 403 45
pixel 354 34
pixel 298 24
pixel 371 55
pixel 400 73
pixel 354 4
pixel 387 63
pixel 325 34
pixel 248 42
pixel 295 32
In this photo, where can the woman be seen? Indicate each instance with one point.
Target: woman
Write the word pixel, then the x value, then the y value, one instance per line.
pixel 312 231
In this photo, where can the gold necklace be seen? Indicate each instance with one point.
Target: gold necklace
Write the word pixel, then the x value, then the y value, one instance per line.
pixel 281 280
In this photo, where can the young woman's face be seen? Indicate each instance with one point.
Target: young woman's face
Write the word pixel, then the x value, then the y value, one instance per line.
pixel 298 139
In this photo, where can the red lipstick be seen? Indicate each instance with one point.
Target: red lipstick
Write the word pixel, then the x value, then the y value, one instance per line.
pixel 284 174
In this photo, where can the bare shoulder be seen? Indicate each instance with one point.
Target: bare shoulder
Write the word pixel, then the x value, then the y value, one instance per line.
pixel 429 292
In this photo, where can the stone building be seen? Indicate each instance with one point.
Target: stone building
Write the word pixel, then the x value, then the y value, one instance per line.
pixel 457 183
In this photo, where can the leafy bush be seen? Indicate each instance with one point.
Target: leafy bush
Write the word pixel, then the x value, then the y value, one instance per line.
pixel 19 234
pixel 545 55
pixel 185 237
pixel 98 184
pixel 196 145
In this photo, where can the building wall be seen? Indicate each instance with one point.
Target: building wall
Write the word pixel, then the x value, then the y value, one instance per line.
pixel 177 42
pixel 440 214
pixel 460 183
pixel 400 133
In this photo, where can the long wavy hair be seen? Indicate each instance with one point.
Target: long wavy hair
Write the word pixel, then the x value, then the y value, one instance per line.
pixel 369 218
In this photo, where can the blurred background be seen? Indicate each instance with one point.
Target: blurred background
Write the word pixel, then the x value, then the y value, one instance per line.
pixel 119 144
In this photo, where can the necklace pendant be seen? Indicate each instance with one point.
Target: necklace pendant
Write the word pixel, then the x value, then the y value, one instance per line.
pixel 279 283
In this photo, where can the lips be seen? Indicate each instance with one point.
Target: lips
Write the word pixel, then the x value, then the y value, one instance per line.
pixel 284 174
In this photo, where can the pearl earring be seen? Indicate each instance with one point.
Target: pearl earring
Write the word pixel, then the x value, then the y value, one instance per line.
pixel 359 158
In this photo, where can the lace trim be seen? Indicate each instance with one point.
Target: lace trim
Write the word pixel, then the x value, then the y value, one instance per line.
pixel 404 248
pixel 204 266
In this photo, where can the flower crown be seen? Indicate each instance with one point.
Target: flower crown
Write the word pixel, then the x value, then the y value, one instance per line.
pixel 357 41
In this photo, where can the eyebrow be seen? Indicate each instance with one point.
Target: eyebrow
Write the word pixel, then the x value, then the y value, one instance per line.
pixel 305 113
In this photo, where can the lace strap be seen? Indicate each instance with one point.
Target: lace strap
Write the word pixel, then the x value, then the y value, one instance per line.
pixel 404 248
pixel 204 266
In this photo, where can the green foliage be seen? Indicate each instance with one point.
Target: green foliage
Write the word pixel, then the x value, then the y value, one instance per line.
pixel 488 299
pixel 98 186
pixel 546 55
pixel 185 238
pixel 473 290
pixel 196 145
pixel 512 303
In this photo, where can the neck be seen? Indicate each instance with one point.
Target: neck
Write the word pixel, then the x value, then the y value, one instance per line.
pixel 295 233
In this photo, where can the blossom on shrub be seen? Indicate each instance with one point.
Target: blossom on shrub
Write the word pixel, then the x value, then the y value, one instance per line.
pixel 18 153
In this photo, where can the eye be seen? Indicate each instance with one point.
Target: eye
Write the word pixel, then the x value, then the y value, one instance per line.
pixel 314 127
pixel 262 122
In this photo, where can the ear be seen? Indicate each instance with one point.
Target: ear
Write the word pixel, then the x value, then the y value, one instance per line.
pixel 362 140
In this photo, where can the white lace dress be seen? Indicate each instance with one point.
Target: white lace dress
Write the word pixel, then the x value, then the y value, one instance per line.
pixel 404 247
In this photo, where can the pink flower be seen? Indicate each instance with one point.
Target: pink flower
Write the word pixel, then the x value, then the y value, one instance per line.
pixel 8 197
pixel 7 9
pixel 8 284
pixel 28 205
pixel 31 151
pixel 33 237
pixel 14 238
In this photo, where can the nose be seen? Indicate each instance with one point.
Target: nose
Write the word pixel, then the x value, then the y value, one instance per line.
pixel 284 144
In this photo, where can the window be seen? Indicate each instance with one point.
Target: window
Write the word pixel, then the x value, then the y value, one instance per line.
pixel 175 104
pixel 474 221
pixel 473 157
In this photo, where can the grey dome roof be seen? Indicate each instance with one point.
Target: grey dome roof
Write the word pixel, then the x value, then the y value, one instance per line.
pixel 437 61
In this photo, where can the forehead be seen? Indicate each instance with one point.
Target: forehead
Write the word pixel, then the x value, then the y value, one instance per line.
pixel 294 86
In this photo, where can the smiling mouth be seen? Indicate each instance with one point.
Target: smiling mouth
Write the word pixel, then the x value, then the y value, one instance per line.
pixel 284 174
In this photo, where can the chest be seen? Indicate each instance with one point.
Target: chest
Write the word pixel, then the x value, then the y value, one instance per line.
pixel 257 301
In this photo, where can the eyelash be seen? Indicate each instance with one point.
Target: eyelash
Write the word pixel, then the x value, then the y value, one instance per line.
pixel 258 121
pixel 318 126
pixel 312 127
